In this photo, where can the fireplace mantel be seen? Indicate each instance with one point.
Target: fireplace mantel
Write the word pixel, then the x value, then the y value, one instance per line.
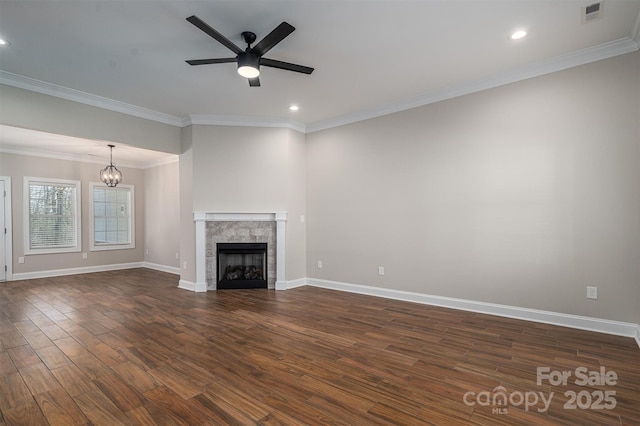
pixel 200 219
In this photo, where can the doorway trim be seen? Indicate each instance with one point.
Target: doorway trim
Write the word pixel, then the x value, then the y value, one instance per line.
pixel 8 238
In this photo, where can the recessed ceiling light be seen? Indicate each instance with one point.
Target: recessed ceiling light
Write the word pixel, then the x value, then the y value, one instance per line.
pixel 517 35
pixel 3 42
pixel 294 108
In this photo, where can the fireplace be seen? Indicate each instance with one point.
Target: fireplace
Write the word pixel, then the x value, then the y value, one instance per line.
pixel 212 228
pixel 241 265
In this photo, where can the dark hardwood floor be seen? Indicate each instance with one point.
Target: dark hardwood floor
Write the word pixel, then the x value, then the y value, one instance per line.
pixel 129 347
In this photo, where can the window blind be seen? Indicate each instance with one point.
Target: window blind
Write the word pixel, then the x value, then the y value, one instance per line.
pixel 52 215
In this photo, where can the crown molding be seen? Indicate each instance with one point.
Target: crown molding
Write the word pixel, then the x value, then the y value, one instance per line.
pixel 50 89
pixel 85 158
pixel 231 120
pixel 562 62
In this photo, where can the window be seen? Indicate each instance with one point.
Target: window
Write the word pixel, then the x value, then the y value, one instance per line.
pixel 112 217
pixel 52 210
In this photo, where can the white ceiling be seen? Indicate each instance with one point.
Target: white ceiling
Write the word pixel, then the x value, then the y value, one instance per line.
pixel 370 57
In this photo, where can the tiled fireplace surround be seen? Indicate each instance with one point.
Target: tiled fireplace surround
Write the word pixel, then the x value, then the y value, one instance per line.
pixel 212 228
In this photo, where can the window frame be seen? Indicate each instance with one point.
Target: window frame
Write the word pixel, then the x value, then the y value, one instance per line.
pixel 77 215
pixel 132 219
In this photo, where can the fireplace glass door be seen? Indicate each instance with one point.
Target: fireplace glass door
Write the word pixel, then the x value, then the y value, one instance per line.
pixel 242 265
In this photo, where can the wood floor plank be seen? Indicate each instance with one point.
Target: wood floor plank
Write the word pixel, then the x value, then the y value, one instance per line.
pixel 13 392
pixel 52 357
pixel 73 380
pixel 28 414
pixel 11 339
pixel 37 339
pixel 23 356
pixel 6 365
pixel 71 347
pixel 252 407
pixel 141 416
pixel 130 347
pixel 99 409
pixel 136 377
pixel 59 408
pixel 219 411
pixel 91 365
pixel 122 395
pixel 177 382
pixel 39 379
pixel 179 409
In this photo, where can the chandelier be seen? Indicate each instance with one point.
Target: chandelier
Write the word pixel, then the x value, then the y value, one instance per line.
pixel 110 174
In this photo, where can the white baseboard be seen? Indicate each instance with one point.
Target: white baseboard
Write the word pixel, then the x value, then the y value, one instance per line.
pixel 75 271
pixel 187 285
pixel 555 318
pixel 191 286
pixel 293 284
pixel 90 269
pixel 162 268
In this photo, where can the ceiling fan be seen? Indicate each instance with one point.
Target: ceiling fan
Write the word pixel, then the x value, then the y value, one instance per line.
pixel 250 59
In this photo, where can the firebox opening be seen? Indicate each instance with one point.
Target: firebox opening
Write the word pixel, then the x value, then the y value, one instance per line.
pixel 241 265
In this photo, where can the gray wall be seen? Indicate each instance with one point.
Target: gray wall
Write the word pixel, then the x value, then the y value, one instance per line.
pixel 35 111
pixel 18 166
pixel 187 226
pixel 521 195
pixel 162 215
pixel 250 170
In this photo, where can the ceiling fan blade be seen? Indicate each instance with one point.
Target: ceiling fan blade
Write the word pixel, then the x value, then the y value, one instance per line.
pixel 285 66
pixel 213 33
pixel 210 61
pixel 273 38
pixel 254 82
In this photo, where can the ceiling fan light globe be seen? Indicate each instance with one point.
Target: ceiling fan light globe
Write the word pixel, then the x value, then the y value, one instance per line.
pixel 248 71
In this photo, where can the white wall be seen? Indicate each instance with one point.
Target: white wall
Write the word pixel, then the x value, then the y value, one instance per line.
pixel 521 195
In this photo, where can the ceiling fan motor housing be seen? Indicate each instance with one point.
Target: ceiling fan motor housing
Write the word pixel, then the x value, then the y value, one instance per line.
pixel 248 59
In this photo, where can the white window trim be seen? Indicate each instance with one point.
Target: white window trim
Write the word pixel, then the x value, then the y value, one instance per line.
pixel 27 180
pixel 132 221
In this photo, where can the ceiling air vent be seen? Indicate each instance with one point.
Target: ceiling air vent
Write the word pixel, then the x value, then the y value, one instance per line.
pixel 592 12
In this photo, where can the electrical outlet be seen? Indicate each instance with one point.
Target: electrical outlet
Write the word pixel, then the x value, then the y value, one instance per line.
pixel 380 270
pixel 85 255
pixel 592 292
pixel 302 219
pixel 21 260
pixel 319 264
pixel 184 265
pixel 177 255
